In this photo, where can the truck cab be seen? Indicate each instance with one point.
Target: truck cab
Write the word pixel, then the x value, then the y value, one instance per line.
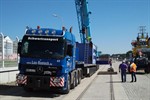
pixel 47 59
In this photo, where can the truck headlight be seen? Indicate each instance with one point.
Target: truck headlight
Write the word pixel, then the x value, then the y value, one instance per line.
pixel 20 77
pixel 57 80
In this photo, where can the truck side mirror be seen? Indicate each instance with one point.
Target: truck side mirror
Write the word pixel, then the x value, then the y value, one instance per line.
pixel 69 50
pixel 19 47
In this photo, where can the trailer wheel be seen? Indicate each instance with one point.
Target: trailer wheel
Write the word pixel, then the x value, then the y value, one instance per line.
pixel 77 79
pixel 68 86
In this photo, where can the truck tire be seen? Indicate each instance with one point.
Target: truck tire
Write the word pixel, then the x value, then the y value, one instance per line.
pixel 79 77
pixel 68 86
pixel 74 83
pixel 76 79
pixel 147 70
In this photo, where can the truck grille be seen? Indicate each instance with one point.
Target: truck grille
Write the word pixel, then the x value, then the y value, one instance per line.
pixel 41 70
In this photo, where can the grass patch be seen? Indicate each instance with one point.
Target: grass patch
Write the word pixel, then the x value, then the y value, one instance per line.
pixel 9 63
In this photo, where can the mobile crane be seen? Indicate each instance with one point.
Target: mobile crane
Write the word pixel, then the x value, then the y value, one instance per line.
pixel 52 59
pixel 83 20
pixel 84 30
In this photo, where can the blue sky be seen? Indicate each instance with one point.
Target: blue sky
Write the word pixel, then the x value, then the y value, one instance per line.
pixel 113 23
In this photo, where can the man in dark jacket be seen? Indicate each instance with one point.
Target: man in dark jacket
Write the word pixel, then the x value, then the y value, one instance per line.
pixel 123 68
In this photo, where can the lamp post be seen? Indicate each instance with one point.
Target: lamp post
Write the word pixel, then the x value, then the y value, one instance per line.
pixel 17 40
pixel 59 18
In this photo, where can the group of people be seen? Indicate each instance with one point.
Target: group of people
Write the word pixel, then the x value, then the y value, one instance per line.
pixel 123 67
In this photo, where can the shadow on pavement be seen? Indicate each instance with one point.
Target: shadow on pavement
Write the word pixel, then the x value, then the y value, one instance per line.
pixel 13 90
pixel 119 82
pixel 6 87
pixel 140 73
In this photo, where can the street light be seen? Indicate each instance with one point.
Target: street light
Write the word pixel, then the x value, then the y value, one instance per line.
pixel 59 18
pixel 17 40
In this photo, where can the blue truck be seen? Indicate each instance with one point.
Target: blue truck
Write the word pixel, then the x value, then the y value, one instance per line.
pixel 52 59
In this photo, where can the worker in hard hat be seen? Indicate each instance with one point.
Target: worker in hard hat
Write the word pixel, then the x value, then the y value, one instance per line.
pixel 133 71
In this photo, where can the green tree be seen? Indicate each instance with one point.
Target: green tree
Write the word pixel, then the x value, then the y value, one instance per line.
pixel 128 54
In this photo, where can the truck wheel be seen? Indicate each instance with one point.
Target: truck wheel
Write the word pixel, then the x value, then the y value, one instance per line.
pixel 147 70
pixel 68 86
pixel 79 77
pixel 74 83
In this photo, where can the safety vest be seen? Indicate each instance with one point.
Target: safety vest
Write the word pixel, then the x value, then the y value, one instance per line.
pixel 133 67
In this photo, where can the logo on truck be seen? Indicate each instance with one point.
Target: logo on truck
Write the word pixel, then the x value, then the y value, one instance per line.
pixel 39 69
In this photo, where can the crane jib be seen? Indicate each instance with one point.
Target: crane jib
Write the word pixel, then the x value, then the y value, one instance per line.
pixel 83 20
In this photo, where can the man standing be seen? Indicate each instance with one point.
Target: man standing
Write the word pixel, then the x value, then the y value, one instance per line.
pixel 123 67
pixel 110 62
pixel 133 71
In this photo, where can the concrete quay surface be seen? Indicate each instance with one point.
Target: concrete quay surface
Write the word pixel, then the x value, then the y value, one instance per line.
pixel 8 74
pixel 110 87
pixel 96 87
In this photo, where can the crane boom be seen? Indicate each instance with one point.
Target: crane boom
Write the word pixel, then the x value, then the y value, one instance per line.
pixel 83 20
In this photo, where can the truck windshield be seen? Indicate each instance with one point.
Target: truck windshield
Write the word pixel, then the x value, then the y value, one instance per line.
pixel 41 47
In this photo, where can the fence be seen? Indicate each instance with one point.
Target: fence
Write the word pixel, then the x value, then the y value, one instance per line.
pixel 8 51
